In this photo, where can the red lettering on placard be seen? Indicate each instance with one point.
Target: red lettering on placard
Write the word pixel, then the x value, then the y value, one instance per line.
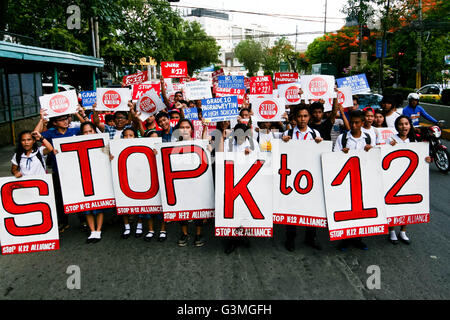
pixel 233 191
pixel 147 105
pixel 59 103
pixel 82 148
pixel 268 109
pixel 123 173
pixel 318 86
pixel 291 94
pixel 17 209
pixel 284 172
pixel 170 176
pixel 352 167
pixel 392 196
pixel 111 99
pixel 309 182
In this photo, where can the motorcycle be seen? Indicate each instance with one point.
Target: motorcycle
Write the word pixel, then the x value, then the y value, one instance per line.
pixel 438 152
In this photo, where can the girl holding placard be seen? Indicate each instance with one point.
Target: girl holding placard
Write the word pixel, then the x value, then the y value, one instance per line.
pixel 406 134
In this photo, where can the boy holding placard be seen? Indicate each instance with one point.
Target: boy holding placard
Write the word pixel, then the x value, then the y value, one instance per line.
pixel 354 139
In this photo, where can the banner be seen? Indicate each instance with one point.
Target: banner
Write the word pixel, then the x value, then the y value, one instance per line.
pixel 113 99
pixel 344 97
pixel 87 184
pixel 60 103
pixel 149 104
pixel 405 178
pixel 197 90
pixel 134 78
pixel 135 176
pixel 185 179
pixel 174 69
pixel 267 109
pixel 261 85
pixel 289 93
pixel 243 198
pixel 220 109
pixel 226 92
pixel 234 82
pixel 358 83
pixel 317 87
pixel 353 194
pixel 285 77
pixel 28 215
pixel 140 89
pixel 88 98
pixel 298 197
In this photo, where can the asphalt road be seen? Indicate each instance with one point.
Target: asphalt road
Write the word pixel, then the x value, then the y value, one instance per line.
pixel 134 269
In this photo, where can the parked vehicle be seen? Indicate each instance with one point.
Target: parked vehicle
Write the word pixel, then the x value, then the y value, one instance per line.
pixel 433 91
pixel 47 88
pixel 369 100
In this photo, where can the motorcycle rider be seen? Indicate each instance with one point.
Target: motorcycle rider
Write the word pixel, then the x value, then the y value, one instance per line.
pixel 413 110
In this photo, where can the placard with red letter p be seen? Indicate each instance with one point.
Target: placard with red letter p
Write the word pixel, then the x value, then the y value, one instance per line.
pixel 406 183
pixel 244 186
pixel 353 194
pixel 185 179
pixel 28 215
pixel 85 172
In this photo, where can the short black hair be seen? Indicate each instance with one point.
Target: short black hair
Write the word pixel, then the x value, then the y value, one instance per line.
pixel 109 117
pixel 388 99
pixel 124 113
pixel 244 109
pixel 356 114
pixel 316 105
pixel 298 108
pixel 160 115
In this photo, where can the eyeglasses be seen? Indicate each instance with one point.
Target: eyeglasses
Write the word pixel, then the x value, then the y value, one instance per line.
pixel 63 119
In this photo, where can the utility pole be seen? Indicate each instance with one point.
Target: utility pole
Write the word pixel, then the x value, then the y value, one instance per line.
pixel 295 47
pixel 325 19
pixel 419 50
pixel 360 33
pixel 383 49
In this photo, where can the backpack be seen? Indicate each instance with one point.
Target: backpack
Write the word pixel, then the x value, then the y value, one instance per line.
pixel 344 139
pixel 291 133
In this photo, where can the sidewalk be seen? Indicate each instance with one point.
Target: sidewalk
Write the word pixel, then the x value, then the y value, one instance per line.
pixel 6 154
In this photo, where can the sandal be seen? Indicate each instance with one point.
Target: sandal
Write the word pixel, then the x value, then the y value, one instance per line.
pixel 162 236
pixel 149 236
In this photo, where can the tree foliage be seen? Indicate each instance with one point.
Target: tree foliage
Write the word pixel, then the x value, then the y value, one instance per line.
pixel 250 53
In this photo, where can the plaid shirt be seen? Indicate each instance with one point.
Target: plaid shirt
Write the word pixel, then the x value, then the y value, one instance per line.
pixel 112 130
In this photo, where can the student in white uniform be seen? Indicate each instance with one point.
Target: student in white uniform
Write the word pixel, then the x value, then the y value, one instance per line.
pixel 390 110
pixel 406 134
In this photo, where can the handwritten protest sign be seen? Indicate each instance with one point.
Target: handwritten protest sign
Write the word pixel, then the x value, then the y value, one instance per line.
pixel 88 98
pixel 134 78
pixel 197 90
pixel 285 77
pixel 174 69
pixel 220 109
pixel 60 103
pixel 261 85
pixel 358 83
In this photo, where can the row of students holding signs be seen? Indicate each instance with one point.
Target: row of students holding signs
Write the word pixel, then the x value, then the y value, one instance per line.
pixel 31 161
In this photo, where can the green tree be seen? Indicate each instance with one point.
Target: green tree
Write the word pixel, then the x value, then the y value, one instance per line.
pixel 250 53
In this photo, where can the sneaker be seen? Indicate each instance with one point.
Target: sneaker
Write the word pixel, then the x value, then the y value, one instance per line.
pixel 183 241
pixel 199 241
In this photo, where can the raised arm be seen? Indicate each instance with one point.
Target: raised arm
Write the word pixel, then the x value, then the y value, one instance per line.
pixel 96 119
pixel 163 93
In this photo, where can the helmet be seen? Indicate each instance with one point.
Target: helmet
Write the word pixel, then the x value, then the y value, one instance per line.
pixel 413 96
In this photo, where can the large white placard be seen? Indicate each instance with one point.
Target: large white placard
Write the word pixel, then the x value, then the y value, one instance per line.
pixel 85 172
pixel 406 183
pixel 60 103
pixel 298 197
pixel 185 179
pixel 28 215
pixel 243 195
pixel 197 90
pixel 270 109
pixel 289 93
pixel 354 194
pixel 113 99
pixel 135 176
pixel 149 104
pixel 317 87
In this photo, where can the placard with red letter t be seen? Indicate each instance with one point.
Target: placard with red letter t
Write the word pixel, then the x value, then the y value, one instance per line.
pixel 354 194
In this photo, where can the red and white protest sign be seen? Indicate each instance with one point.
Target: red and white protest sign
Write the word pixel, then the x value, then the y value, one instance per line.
pixel 217 73
pixel 225 92
pixel 140 89
pixel 354 194
pixel 406 183
pixel 135 78
pixel 285 77
pixel 247 82
pixel 135 176
pixel 88 183
pixel 149 104
pixel 174 69
pixel 261 85
pixel 198 128
pixel 185 179
pixel 344 97
pixel 113 99
pixel 28 215
pixel 60 103
pixel 267 109
pixel 289 93
pixel 298 182
pixel 317 87
pixel 243 196
pixel 383 134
